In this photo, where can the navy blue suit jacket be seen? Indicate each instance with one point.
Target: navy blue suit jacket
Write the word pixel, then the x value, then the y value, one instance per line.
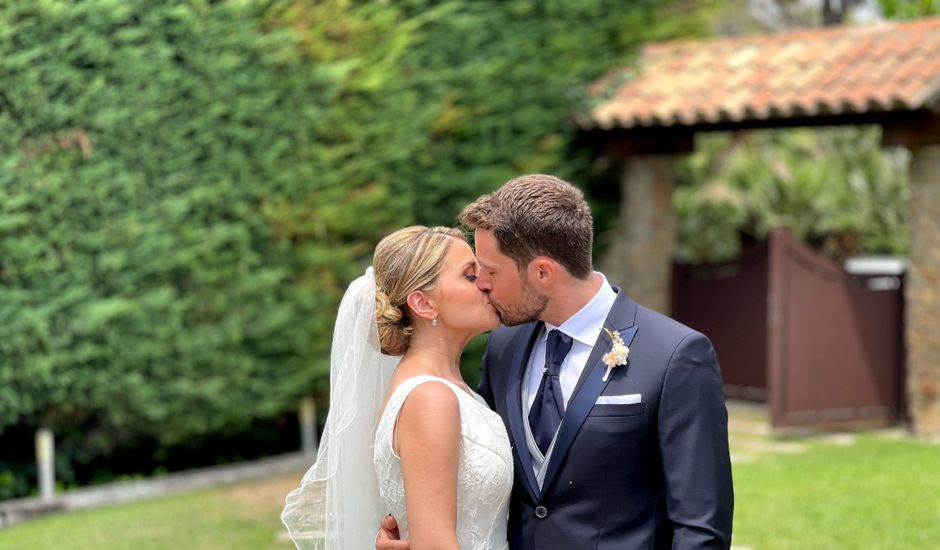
pixel 648 475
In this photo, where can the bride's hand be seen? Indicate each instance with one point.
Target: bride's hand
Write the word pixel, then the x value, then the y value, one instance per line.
pixel 388 537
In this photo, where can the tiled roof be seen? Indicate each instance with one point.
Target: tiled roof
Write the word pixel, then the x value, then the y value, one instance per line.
pixel 809 73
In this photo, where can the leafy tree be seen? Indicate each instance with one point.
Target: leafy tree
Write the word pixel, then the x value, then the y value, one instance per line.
pixel 835 189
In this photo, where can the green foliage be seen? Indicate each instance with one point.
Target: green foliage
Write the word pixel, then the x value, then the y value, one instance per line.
pixel 501 80
pixel 149 149
pixel 909 9
pixel 444 101
pixel 187 187
pixel 835 189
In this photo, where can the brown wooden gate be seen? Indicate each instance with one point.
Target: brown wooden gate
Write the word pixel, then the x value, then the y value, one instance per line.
pixel 791 327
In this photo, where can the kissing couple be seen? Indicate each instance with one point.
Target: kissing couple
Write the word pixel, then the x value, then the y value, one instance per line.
pixel 597 423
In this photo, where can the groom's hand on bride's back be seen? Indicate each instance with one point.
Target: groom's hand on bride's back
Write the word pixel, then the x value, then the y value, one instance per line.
pixel 388 537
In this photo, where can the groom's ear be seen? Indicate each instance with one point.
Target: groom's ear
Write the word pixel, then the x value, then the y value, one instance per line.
pixel 420 305
pixel 542 269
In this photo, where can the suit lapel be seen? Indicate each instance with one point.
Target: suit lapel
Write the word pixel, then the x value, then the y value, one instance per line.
pixel 514 404
pixel 621 318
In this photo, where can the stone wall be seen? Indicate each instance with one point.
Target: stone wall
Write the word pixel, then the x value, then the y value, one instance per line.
pixel 922 296
pixel 642 246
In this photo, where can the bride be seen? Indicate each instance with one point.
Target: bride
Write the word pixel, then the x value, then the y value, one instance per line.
pixel 406 436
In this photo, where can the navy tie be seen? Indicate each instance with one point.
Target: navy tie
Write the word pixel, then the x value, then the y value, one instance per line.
pixel 549 405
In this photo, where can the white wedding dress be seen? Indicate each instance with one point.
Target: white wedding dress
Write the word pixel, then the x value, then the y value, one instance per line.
pixel 484 477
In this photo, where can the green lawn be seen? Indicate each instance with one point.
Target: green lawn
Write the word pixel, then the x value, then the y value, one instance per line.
pixel 875 493
pixel 242 517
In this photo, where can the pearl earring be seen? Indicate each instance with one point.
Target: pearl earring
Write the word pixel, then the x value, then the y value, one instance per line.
pixel 434 321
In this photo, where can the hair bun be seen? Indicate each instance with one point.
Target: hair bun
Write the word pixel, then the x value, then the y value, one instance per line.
pixel 394 331
pixel 384 310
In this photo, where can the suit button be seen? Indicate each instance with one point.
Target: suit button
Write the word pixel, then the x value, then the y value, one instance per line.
pixel 541 512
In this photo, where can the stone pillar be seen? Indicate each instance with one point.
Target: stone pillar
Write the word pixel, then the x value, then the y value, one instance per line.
pixel 922 293
pixel 643 245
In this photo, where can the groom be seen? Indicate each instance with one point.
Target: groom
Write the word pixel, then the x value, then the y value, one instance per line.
pixel 610 452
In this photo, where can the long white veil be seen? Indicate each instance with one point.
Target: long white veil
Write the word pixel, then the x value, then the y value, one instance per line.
pixel 337 505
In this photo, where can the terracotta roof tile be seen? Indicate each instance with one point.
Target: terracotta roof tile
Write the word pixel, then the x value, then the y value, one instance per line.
pixel 838 70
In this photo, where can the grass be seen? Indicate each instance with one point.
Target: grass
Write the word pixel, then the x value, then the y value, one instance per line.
pixel 866 493
pixel 240 517
pixel 874 493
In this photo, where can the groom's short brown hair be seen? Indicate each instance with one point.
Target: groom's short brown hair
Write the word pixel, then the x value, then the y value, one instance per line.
pixel 537 215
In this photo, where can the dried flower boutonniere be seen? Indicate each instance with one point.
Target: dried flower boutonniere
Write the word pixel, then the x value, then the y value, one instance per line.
pixel 618 354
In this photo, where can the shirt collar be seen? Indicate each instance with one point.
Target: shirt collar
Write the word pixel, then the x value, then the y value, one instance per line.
pixel 585 325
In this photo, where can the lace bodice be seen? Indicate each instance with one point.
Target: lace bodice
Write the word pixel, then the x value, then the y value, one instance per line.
pixel 484 476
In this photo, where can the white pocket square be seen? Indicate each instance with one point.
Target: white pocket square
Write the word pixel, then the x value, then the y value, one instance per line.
pixel 629 399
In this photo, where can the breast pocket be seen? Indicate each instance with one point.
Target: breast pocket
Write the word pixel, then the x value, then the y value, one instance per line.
pixel 633 409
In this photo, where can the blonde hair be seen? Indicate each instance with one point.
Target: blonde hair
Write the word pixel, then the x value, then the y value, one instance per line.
pixel 407 260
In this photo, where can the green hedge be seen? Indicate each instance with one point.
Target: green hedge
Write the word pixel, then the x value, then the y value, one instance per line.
pixel 143 288
pixel 187 187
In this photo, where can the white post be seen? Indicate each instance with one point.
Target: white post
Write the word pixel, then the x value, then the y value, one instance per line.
pixel 308 425
pixel 45 463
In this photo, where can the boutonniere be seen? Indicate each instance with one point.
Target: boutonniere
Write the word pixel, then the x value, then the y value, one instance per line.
pixel 618 354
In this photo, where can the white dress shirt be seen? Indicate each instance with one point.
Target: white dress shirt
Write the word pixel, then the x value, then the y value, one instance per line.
pixel 583 327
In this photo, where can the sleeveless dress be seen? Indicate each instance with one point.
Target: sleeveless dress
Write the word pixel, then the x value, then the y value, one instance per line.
pixel 484 475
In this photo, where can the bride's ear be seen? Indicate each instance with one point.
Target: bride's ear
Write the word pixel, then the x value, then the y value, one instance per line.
pixel 420 305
